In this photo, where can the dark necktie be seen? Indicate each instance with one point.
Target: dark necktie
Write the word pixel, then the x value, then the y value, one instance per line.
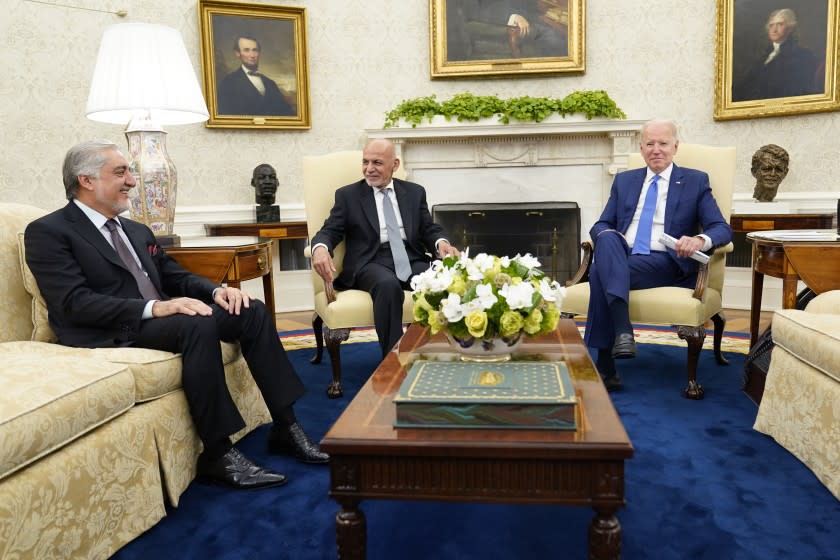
pixel 147 289
pixel 641 246
pixel 401 264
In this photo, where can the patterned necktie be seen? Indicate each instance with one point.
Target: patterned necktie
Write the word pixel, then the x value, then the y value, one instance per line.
pixel 401 264
pixel 147 289
pixel 641 246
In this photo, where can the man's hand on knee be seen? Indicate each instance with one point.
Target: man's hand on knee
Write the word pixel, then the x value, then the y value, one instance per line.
pixel 232 299
pixel 184 305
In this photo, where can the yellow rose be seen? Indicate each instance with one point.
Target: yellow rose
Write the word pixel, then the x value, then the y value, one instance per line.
pixel 510 323
pixel 421 308
pixel 476 323
pixel 532 322
pixel 437 321
pixel 458 286
pixel 550 318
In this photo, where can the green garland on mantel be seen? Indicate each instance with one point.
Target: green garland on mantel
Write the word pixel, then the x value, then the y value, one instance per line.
pixel 469 107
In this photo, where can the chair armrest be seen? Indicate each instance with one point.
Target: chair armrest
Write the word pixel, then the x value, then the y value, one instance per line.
pixel 703 273
pixel 329 289
pixel 583 270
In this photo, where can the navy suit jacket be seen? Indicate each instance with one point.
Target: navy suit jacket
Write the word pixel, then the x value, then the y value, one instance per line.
pixel 689 209
pixel 92 298
pixel 353 219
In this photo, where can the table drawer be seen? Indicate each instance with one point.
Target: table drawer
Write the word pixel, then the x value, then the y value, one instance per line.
pixel 251 264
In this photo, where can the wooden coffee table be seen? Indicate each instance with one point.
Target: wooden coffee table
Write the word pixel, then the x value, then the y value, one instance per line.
pixel 370 459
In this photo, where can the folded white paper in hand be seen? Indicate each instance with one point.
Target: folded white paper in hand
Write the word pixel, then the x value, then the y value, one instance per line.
pixel 670 242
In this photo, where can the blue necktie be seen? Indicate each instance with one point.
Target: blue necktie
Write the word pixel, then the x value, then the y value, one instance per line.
pixel 641 246
pixel 402 266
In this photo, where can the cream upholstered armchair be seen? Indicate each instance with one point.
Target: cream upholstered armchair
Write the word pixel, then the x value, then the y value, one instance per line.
pixel 336 312
pixel 685 309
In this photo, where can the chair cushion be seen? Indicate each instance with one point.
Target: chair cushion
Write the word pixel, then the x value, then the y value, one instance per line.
pixel 41 331
pixel 354 308
pixel 654 306
pixel 37 417
pixel 813 338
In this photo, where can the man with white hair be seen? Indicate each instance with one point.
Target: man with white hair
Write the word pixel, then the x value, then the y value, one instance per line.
pixel 644 203
pixel 784 68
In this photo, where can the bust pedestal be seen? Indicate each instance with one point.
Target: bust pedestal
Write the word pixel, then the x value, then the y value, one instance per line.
pixel 268 213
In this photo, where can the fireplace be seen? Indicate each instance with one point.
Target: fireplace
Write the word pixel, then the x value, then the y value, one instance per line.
pixel 569 159
pixel 550 231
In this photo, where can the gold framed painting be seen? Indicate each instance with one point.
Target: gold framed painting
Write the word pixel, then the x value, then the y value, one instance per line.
pixel 775 62
pixel 253 57
pixel 471 38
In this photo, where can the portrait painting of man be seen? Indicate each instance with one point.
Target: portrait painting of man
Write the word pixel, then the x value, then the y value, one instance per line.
pixel 778 52
pixel 506 37
pixel 255 66
pixel 502 29
pixel 254 62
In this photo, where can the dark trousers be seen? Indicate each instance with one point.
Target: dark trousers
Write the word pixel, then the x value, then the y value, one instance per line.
pixel 379 279
pixel 197 339
pixel 614 272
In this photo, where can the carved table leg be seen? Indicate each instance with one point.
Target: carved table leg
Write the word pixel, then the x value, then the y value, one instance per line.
pixel 350 531
pixel 604 535
pixel 317 326
pixel 719 320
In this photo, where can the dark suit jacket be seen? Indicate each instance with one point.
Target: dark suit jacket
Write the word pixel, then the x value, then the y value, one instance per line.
pixel 353 219
pixel 238 96
pixel 689 209
pixel 792 72
pixel 91 296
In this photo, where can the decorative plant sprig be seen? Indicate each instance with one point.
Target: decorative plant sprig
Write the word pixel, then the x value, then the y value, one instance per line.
pixel 469 107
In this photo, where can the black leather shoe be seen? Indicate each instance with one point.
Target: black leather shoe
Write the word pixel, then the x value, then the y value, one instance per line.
pixel 235 470
pixel 294 441
pixel 624 347
pixel 613 383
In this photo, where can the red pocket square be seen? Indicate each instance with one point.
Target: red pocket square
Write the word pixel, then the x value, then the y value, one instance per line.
pixel 153 249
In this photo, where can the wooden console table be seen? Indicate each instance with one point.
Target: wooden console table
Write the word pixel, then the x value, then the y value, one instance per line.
pixel 783 254
pixel 767 222
pixel 272 230
pixel 231 264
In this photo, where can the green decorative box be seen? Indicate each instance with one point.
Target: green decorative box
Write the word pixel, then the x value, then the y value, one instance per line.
pixel 516 395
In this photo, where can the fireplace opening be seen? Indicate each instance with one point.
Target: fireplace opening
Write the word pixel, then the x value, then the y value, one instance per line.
pixel 549 231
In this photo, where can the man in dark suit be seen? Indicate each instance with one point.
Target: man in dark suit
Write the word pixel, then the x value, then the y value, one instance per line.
pixel 628 254
pixel 783 69
pixel 108 283
pixel 245 91
pixel 358 218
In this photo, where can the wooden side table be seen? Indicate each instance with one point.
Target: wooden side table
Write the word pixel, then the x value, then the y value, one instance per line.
pixel 814 261
pixel 231 264
pixel 742 224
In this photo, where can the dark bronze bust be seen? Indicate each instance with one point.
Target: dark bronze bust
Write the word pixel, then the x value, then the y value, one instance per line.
pixel 770 165
pixel 264 181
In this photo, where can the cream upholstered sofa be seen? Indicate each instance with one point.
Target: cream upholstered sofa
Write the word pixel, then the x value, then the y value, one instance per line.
pixel 92 441
pixel 800 407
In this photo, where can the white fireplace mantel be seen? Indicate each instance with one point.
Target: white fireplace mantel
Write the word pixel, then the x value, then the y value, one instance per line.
pixel 560 159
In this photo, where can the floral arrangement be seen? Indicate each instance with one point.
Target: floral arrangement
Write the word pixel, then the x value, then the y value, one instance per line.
pixel 486 297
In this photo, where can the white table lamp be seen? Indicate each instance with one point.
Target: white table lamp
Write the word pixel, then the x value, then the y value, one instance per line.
pixel 143 78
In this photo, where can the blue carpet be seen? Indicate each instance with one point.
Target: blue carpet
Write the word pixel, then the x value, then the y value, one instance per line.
pixel 702 485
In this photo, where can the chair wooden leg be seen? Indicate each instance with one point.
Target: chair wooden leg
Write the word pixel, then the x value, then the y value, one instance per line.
pixel 719 320
pixel 317 325
pixel 334 339
pixel 694 336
